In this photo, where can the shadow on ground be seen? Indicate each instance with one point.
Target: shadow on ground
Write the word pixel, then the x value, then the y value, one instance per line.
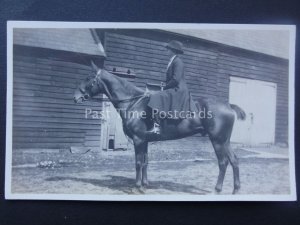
pixel 126 185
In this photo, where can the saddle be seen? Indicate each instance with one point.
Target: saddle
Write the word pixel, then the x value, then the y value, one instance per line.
pixel 151 87
pixel 154 88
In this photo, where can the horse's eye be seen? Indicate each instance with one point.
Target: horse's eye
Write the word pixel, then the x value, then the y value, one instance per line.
pixel 82 90
pixel 86 97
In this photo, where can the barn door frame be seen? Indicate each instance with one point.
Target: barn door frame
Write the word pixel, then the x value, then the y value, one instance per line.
pixel 250 128
pixel 117 138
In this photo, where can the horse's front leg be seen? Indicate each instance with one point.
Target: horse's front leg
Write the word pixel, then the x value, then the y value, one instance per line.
pixel 141 161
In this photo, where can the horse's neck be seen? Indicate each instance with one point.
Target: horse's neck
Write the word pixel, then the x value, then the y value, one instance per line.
pixel 118 89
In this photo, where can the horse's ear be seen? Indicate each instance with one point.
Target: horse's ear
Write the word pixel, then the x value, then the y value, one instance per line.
pixel 94 66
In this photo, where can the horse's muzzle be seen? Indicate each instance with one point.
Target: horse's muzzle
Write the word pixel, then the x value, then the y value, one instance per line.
pixel 78 100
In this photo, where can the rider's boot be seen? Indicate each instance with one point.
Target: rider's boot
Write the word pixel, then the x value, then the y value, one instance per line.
pixel 156 125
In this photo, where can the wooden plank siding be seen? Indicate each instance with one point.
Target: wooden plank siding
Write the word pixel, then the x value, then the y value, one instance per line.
pixel 208 66
pixel 44 114
pixel 231 65
pixel 149 59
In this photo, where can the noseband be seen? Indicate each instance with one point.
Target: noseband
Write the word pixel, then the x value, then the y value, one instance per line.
pixel 86 96
pixel 97 80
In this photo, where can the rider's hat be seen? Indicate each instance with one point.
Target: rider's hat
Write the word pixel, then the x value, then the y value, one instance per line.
pixel 177 46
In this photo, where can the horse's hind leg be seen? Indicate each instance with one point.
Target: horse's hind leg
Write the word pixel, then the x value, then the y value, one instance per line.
pixel 220 139
pixel 223 163
pixel 145 166
pixel 235 167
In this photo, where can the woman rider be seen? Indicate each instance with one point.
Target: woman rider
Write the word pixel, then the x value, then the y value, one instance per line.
pixel 176 96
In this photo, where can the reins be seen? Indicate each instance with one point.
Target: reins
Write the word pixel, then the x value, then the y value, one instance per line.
pixel 111 99
pixel 117 101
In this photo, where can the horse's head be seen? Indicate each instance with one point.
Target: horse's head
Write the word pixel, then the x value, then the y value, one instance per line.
pixel 89 87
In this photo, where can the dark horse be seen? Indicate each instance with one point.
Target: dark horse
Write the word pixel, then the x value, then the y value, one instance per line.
pixel 129 98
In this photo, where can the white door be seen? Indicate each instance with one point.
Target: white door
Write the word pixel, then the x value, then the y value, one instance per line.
pixel 112 135
pixel 258 100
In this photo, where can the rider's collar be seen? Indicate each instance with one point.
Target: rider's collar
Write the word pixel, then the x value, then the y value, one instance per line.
pixel 98 72
pixel 171 60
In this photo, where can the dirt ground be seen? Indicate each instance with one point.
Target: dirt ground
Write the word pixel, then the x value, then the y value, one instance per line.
pixel 169 172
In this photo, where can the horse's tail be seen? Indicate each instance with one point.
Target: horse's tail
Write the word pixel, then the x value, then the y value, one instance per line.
pixel 241 115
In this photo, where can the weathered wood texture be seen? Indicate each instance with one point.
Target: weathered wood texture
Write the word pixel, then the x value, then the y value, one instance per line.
pixel 208 66
pixel 44 114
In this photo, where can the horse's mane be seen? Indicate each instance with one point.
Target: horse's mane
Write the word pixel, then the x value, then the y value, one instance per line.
pixel 134 90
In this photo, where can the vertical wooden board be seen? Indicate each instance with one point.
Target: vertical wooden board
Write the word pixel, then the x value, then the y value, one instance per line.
pixel 43 94
pixel 207 69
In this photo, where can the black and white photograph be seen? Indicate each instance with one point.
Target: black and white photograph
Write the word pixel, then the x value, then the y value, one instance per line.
pixel 150 112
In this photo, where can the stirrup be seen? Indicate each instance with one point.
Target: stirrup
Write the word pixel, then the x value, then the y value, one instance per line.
pixel 155 129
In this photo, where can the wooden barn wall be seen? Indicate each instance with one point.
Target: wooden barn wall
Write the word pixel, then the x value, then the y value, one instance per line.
pixel 208 66
pixel 149 60
pixel 258 69
pixel 44 113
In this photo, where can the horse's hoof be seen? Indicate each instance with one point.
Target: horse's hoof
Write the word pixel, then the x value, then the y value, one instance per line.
pixel 138 184
pixel 145 183
pixel 236 191
pixel 218 189
pixel 138 190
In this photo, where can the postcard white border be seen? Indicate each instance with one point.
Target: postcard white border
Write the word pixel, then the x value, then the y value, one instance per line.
pixel 46 24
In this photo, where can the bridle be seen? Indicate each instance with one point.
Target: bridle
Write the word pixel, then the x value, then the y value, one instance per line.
pixel 97 80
